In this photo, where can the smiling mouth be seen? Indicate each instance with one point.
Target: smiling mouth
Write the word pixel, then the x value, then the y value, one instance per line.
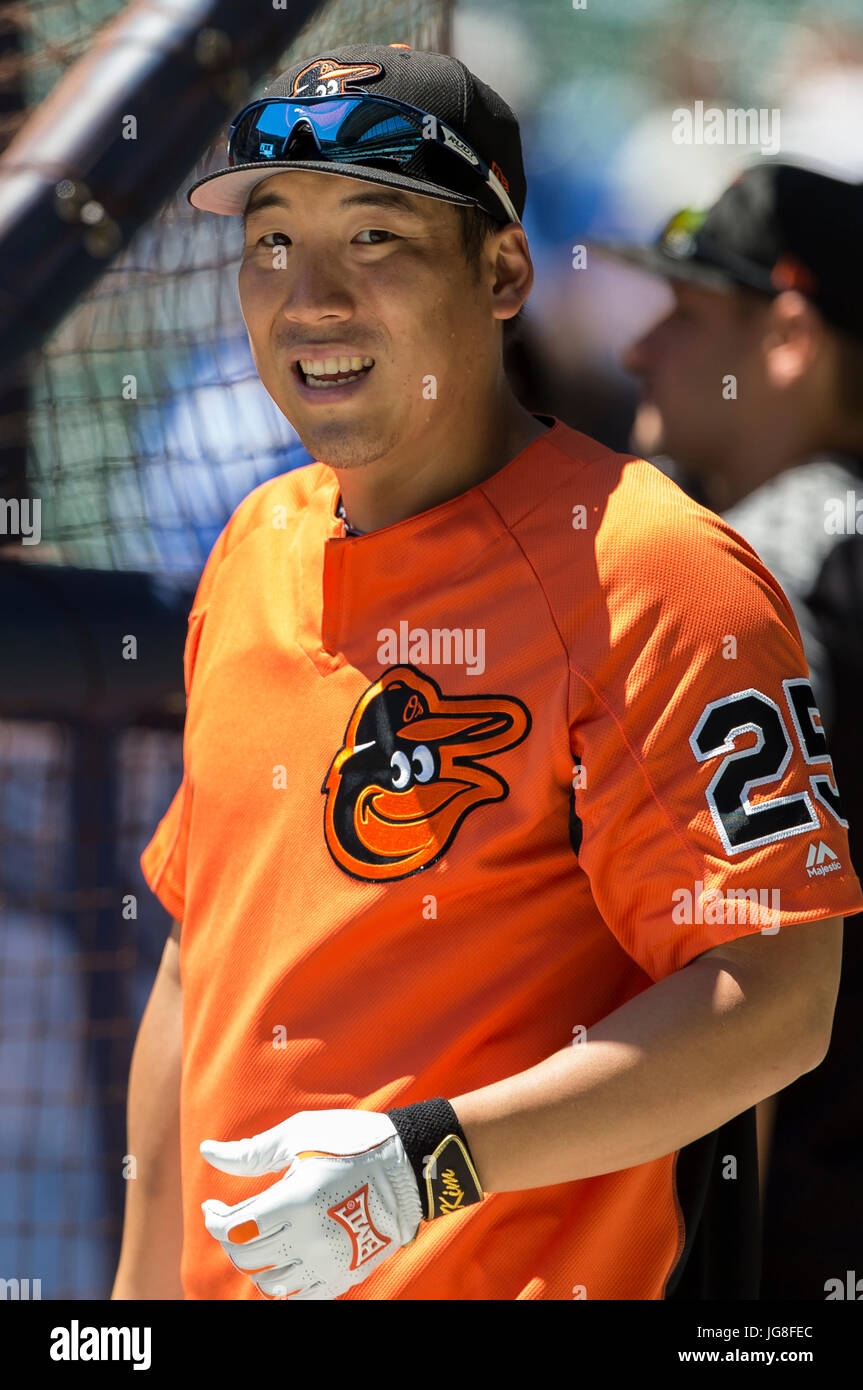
pixel 322 373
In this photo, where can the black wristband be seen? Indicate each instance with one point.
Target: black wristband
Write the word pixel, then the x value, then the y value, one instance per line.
pixel 435 1144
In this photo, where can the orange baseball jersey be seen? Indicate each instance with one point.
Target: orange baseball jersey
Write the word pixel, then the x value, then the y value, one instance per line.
pixel 455 790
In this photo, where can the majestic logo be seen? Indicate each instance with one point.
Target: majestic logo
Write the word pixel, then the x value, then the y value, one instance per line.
pixel 353 1215
pixel 821 860
pixel 325 77
pixel 411 767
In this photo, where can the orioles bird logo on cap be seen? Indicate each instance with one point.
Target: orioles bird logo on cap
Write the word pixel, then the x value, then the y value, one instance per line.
pixel 326 77
pixel 412 766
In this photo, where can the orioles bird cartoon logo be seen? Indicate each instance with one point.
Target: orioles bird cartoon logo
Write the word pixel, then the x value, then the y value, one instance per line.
pixel 325 77
pixel 411 767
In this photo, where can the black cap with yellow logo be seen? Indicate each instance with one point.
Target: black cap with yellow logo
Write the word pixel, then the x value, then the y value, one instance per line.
pixel 424 123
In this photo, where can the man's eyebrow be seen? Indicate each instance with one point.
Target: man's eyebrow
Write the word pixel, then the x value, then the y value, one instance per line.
pixel 376 198
pixel 258 201
pixel 381 198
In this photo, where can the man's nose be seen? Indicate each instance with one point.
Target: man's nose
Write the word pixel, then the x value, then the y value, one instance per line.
pixel 633 357
pixel 639 355
pixel 316 291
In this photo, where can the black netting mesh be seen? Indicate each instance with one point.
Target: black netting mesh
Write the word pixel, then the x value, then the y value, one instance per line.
pixel 141 426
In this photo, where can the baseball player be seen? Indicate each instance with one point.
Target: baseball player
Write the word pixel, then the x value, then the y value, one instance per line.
pixel 501 771
pixel 766 283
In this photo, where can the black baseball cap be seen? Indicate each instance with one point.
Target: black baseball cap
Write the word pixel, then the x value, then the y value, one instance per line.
pixel 434 83
pixel 779 226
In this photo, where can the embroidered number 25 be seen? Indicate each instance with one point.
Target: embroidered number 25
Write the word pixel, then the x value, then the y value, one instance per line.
pixel 740 825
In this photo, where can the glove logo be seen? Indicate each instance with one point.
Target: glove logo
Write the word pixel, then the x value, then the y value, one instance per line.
pixel 326 77
pixel 353 1215
pixel 411 767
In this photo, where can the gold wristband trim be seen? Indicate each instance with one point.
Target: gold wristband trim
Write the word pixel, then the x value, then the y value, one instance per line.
pixel 452 1195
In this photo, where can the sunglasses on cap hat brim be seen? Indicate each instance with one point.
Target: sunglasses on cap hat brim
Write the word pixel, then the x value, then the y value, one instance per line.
pixel 353 129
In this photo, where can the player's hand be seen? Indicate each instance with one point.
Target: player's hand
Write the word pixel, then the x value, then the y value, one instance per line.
pixel 348 1200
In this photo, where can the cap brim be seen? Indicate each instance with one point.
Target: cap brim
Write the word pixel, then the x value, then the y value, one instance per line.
pixel 656 262
pixel 228 190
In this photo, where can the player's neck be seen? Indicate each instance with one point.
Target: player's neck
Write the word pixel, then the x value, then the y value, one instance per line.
pixel 432 472
pixel 731 480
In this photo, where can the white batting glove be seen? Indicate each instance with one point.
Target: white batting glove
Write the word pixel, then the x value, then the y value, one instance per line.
pixel 348 1200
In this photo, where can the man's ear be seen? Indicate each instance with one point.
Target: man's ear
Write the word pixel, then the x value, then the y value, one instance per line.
pixel 795 336
pixel 512 270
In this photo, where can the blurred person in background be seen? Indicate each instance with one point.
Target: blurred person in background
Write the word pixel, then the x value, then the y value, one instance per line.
pixel 752 399
pixel 595 185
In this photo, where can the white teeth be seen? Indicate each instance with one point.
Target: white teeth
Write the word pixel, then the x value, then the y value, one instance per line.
pixel 330 366
pixel 326 385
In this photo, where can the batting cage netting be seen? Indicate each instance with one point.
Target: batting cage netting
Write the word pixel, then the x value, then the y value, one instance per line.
pixel 132 422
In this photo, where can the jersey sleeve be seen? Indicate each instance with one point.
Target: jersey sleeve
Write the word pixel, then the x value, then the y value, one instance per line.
pixel 163 862
pixel 703 790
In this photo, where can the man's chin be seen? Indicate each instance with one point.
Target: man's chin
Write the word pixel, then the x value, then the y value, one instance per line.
pixel 344 443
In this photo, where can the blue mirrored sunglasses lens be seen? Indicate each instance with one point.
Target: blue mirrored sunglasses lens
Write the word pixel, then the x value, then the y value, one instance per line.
pixel 342 129
pixel 277 119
